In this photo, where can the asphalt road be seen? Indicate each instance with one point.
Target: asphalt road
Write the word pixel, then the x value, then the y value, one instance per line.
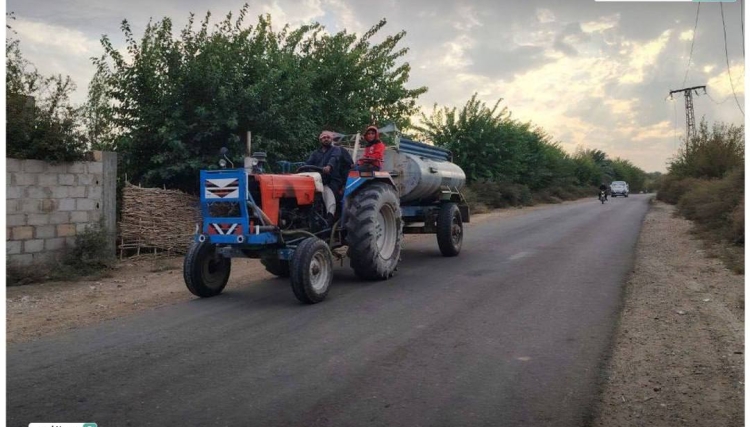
pixel 511 332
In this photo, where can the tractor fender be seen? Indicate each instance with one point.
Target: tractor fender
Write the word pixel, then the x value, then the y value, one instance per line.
pixel 355 180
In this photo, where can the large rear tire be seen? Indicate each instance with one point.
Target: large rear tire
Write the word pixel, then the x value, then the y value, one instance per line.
pixel 275 266
pixel 374 231
pixel 206 272
pixel 311 270
pixel 450 230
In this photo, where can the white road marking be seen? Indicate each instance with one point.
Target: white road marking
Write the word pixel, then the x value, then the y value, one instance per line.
pixel 519 255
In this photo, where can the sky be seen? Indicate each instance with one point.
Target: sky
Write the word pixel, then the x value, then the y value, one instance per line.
pixel 592 74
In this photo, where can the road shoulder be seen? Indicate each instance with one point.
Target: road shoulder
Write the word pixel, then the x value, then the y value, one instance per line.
pixel 677 356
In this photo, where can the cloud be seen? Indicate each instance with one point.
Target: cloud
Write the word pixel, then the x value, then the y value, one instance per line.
pixel 501 61
pixel 686 35
pixel 466 19
pixel 643 56
pixel 545 16
pixel 719 85
pixel 661 130
pixel 581 100
pixel 601 25
pixel 54 49
pixel 54 37
pixel 344 16
pixel 454 56
pixel 564 47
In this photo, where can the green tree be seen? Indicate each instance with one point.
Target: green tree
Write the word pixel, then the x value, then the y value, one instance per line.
pixel 41 122
pixel 624 170
pixel 489 145
pixel 177 100
pixel 587 171
pixel 710 153
pixel 98 115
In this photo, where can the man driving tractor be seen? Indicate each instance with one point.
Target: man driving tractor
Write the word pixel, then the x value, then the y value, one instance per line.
pixel 328 157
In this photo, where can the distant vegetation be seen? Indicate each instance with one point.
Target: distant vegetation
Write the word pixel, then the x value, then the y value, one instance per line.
pixel 706 181
pixel 509 163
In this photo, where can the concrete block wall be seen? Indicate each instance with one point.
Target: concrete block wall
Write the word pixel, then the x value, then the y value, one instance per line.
pixel 47 205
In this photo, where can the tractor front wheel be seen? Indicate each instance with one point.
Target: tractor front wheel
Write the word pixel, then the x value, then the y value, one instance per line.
pixel 206 272
pixel 311 270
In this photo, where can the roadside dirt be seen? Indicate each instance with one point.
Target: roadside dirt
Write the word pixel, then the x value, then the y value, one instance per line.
pixel 36 310
pixel 677 357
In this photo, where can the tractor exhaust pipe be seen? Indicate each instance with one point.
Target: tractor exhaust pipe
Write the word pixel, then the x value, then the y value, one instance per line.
pixel 248 154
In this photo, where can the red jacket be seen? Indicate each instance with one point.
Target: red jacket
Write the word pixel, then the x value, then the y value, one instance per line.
pixel 375 152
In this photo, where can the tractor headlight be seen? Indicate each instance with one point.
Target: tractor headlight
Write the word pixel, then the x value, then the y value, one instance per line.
pixel 223 163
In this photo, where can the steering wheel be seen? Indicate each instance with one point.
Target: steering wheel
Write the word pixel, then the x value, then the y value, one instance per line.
pixel 309 168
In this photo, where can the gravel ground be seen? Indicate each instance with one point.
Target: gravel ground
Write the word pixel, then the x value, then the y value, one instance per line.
pixel 677 357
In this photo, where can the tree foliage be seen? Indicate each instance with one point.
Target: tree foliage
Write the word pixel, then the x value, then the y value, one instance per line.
pixel 489 145
pixel 177 99
pixel 587 171
pixel 710 153
pixel 624 170
pixel 41 121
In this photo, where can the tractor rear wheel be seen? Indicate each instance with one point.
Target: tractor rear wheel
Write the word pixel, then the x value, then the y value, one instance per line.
pixel 450 230
pixel 206 272
pixel 374 231
pixel 311 270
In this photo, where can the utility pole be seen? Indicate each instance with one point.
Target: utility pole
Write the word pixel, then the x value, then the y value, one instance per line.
pixel 688 110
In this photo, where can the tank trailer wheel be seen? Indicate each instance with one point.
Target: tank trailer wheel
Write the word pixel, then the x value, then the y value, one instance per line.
pixel 450 230
pixel 311 270
pixel 275 266
pixel 374 231
pixel 206 272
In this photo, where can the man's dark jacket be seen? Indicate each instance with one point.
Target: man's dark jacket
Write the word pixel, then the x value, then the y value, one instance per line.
pixel 329 157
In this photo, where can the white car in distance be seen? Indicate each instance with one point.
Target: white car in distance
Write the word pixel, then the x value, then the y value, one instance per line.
pixel 619 188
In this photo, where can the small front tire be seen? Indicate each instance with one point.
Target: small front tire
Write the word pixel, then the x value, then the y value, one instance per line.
pixel 206 273
pixel 311 270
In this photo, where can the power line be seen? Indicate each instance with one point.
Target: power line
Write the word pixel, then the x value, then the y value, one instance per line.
pixel 695 28
pixel 726 53
pixel 742 26
pixel 717 102
pixel 692 43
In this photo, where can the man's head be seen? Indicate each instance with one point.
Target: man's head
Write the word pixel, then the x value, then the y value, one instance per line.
pixel 371 134
pixel 326 138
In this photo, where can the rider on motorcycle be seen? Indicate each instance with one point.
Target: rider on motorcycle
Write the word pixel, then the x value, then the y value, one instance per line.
pixel 603 188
